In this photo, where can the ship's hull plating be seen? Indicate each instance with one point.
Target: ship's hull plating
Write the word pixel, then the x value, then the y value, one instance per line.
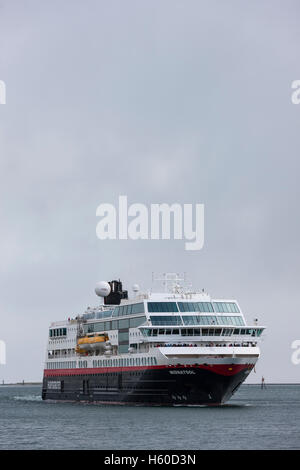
pixel 160 385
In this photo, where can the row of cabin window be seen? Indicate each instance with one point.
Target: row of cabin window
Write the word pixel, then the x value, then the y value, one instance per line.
pixel 195 306
pixel 201 331
pixel 212 320
pixel 117 312
pixel 157 307
pixel 61 365
pixel 221 307
pixel 54 332
pixel 196 320
pixel 125 362
pixel 60 352
pixel 122 362
pixel 114 324
pixel 102 314
pixel 164 320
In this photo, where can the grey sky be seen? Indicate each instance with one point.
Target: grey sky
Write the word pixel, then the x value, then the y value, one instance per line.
pixel 169 101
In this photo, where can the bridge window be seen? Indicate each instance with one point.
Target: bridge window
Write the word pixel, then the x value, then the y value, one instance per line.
pixel 122 310
pixel 199 320
pixel 166 320
pixel 162 307
pixel 226 307
pixel 227 332
pixel 195 306
pixel 232 320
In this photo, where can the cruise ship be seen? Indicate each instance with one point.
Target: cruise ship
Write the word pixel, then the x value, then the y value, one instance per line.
pixel 176 347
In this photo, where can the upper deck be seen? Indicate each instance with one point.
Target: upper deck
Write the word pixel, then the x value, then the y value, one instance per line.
pixel 176 310
pixel 175 319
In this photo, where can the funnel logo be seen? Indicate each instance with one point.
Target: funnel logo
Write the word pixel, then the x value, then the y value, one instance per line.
pixel 2 352
pixel 154 224
pixel 2 92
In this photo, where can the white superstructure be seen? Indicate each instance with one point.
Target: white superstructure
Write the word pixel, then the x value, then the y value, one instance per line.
pixel 177 326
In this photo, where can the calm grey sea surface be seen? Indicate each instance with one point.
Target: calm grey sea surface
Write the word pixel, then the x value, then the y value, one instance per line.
pixel 253 419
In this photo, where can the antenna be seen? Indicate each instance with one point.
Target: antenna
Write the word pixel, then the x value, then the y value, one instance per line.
pixel 171 281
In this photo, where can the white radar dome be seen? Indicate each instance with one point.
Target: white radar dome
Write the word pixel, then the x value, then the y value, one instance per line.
pixel 135 287
pixel 102 289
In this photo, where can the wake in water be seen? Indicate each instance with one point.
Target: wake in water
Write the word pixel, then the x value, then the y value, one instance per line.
pixel 27 397
pixel 225 405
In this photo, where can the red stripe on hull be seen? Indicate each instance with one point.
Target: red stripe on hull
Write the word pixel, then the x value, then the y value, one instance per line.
pixel 221 369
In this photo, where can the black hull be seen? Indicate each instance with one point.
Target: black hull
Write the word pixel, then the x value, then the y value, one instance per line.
pixel 165 386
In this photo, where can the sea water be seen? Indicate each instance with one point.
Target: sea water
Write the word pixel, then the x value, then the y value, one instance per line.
pixel 252 419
